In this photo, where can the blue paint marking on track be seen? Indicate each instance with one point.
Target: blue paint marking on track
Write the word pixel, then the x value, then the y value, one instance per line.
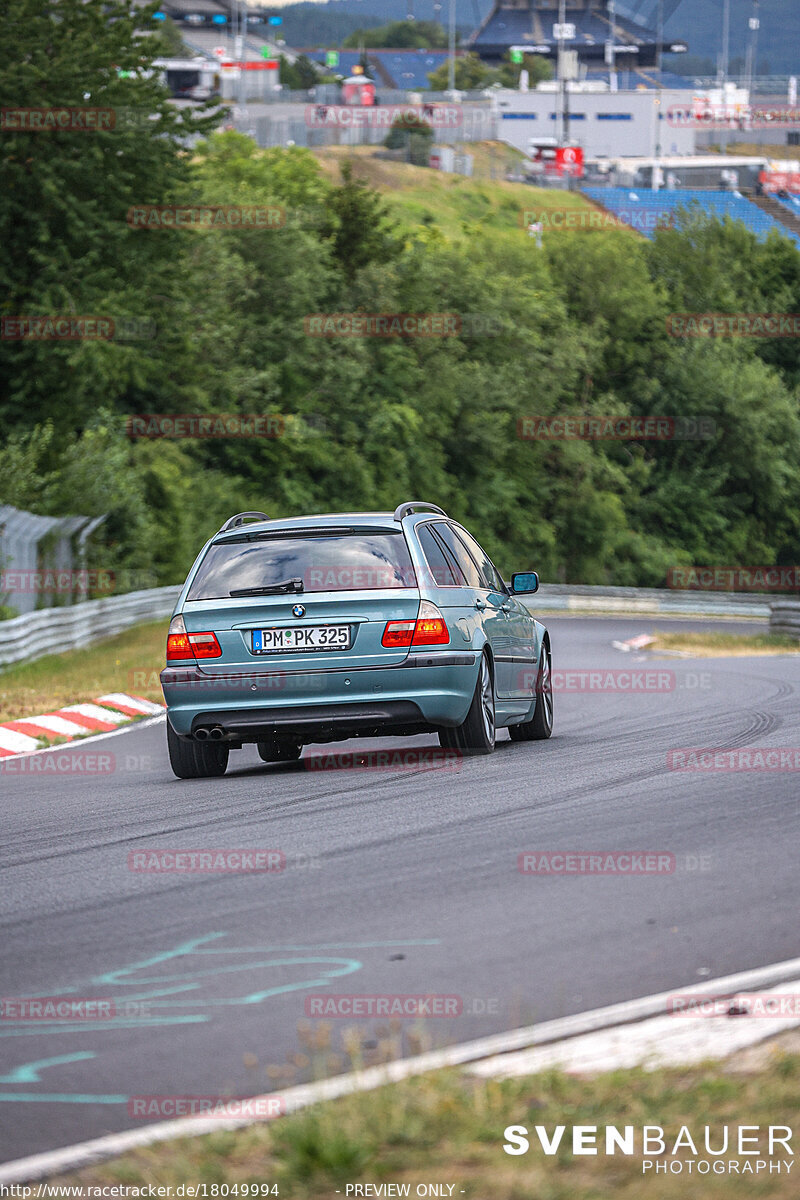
pixel 177 990
pixel 30 1072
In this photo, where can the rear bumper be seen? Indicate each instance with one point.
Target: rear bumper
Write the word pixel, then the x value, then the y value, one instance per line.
pixel 425 690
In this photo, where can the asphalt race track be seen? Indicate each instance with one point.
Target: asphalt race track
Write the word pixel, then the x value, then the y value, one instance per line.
pixel 396 882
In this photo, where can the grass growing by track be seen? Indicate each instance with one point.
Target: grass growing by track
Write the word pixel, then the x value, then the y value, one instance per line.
pixel 128 662
pixel 723 645
pixel 453 204
pixel 448 1128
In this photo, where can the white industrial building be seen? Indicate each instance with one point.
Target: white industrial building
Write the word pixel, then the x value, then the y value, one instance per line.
pixel 605 124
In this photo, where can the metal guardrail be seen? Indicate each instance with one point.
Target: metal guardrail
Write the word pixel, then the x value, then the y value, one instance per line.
pixel 628 601
pixel 784 617
pixel 20 536
pixel 53 630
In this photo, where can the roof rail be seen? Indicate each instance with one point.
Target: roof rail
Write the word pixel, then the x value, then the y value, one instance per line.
pixel 240 519
pixel 407 507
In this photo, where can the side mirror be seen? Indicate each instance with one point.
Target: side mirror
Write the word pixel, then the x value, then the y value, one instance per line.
pixel 524 582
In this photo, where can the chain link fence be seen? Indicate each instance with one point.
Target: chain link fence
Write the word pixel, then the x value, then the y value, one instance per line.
pixel 32 548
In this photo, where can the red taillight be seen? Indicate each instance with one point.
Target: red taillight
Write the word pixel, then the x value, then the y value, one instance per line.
pixel 429 629
pixel 398 633
pixel 178 646
pixel 182 645
pixel 205 645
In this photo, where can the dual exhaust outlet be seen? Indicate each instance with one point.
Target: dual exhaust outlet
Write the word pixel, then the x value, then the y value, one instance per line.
pixel 214 733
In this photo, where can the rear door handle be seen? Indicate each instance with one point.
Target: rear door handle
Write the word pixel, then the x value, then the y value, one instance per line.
pixel 480 604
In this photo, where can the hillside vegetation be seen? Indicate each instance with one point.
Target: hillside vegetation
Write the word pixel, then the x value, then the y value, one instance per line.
pixel 576 327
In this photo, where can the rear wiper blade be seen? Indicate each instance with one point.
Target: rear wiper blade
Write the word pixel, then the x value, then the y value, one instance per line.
pixel 274 589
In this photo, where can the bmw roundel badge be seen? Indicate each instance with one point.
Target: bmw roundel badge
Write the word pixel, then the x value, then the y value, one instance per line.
pixel 299 610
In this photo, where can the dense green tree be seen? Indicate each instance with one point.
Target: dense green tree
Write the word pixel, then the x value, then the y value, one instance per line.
pixel 357 225
pixel 579 328
pixel 300 75
pixel 65 246
pixel 410 35
pixel 470 74
pixel 538 68
pixel 412 134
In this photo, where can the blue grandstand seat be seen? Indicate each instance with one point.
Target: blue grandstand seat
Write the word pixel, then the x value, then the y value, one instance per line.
pixel 409 68
pixel 347 60
pixel 791 201
pixel 507 26
pixel 628 203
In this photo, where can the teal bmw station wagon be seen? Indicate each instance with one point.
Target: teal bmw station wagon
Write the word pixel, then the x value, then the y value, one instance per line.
pixel 317 629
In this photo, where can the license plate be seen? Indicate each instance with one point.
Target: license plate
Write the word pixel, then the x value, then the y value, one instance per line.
pixel 296 637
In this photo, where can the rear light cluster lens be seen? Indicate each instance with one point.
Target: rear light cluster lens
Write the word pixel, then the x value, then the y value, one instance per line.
pixel 182 645
pixel 429 629
pixel 398 633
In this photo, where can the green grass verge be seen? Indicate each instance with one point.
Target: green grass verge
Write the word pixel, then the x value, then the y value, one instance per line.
pixel 719 645
pixel 454 204
pixel 448 1128
pixel 128 662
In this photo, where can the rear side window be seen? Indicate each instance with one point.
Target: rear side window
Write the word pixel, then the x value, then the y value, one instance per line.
pixel 460 554
pixel 322 563
pixel 488 570
pixel 441 567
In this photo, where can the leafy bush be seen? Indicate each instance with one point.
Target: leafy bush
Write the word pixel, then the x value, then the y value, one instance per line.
pixel 576 328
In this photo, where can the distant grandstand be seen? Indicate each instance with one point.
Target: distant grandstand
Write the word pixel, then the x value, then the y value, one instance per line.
pixel 206 25
pixel 404 70
pixel 528 25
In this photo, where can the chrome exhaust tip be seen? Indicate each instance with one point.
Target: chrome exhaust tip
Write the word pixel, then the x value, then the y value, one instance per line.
pixel 201 734
pixel 217 733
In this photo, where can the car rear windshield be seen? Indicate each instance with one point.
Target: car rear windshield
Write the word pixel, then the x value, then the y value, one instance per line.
pixel 322 563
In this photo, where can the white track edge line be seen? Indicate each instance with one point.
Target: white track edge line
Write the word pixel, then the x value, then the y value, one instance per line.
pixel 77 743
pixel 83 1154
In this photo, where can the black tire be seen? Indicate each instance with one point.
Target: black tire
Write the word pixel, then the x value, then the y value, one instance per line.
pixel 195 760
pixel 279 751
pixel 541 724
pixel 447 739
pixel 476 735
